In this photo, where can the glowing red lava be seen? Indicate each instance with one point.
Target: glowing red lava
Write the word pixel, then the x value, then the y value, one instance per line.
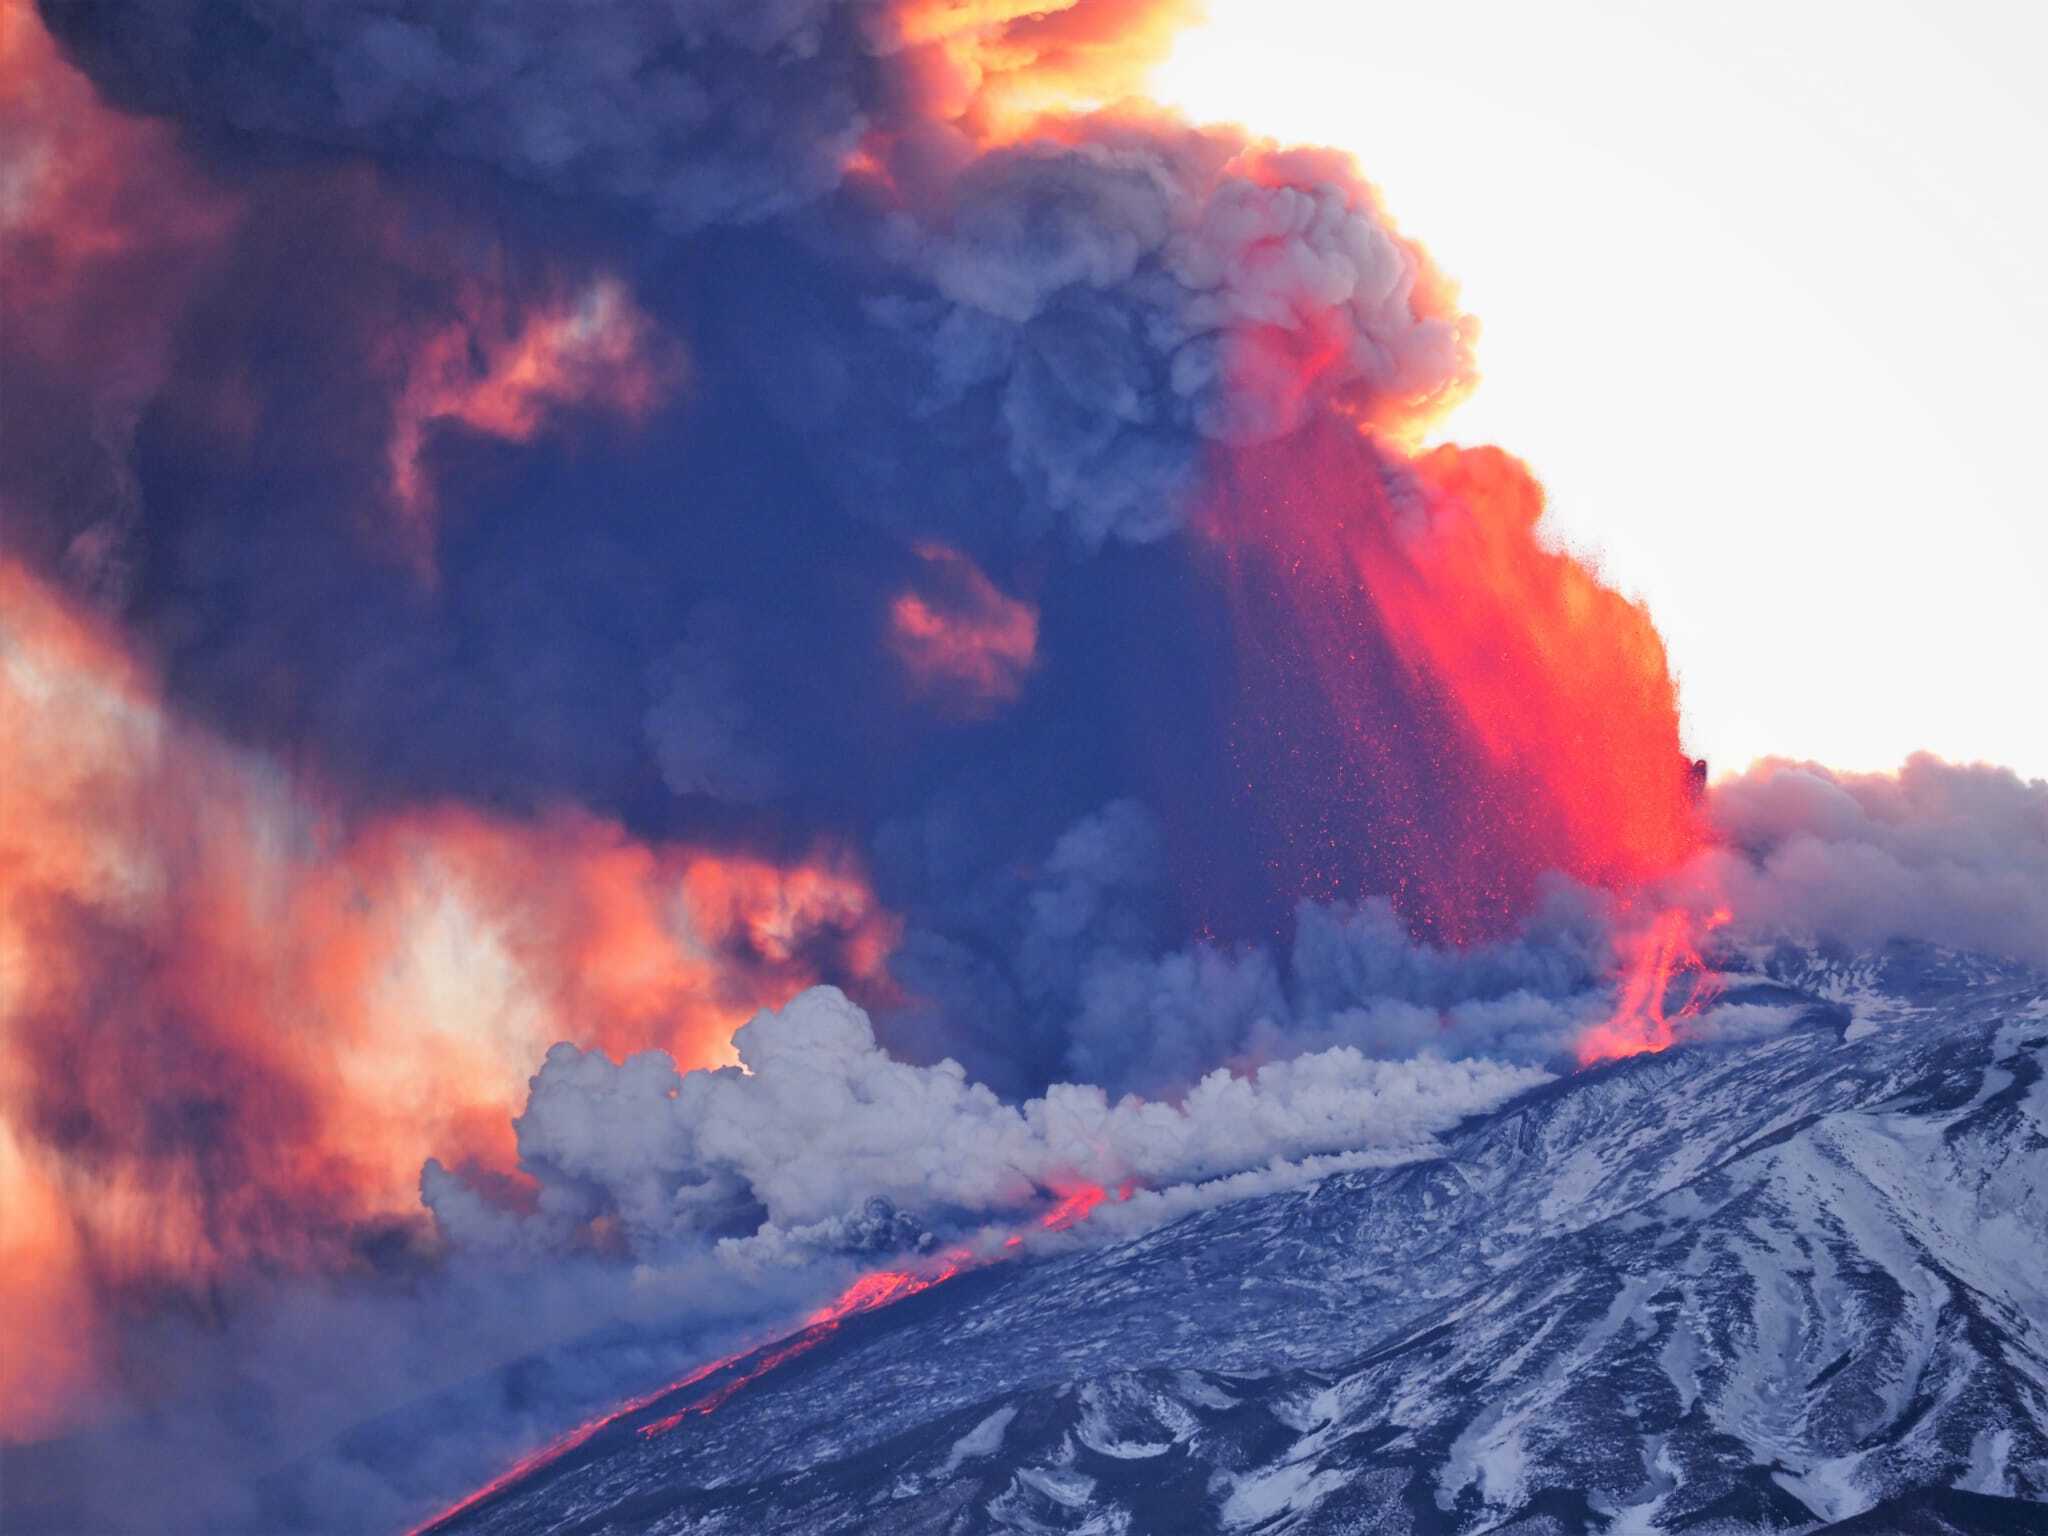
pixel 881 1288
pixel 1077 1203
pixel 885 1286
pixel 799 1344
pixel 1442 703
pixel 1656 959
pixel 868 1293
pixel 557 1448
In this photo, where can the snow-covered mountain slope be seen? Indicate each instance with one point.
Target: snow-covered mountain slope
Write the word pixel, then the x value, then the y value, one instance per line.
pixel 1792 1282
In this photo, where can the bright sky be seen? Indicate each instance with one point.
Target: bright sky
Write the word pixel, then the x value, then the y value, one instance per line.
pixel 1765 297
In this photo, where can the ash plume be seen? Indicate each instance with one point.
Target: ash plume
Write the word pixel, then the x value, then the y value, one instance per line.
pixel 549 551
pixel 1944 853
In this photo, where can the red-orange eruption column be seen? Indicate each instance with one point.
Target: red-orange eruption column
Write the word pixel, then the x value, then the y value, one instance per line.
pixel 1561 680
pixel 1485 706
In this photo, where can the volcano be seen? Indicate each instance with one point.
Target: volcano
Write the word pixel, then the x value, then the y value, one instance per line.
pixel 1783 1284
pixel 778 768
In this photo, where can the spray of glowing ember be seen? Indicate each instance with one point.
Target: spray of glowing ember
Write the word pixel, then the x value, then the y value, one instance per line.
pixel 1483 709
pixel 1486 709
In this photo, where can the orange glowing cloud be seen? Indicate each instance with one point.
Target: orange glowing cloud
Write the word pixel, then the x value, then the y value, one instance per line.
pixel 108 229
pixel 87 196
pixel 104 230
pixel 232 1027
pixel 500 372
pixel 960 638
pixel 1291 343
pixel 990 68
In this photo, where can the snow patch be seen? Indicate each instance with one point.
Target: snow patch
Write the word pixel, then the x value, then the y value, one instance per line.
pixel 1828 1488
pixel 1290 1489
pixel 985 1439
pixel 1989 1452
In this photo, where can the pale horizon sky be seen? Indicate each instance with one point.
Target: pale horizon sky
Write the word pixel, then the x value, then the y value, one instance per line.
pixel 1764 292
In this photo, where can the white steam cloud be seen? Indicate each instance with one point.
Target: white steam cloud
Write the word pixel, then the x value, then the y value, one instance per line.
pixel 1938 852
pixel 819 1121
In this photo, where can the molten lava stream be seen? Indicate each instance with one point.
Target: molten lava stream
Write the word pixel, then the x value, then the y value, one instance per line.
pixel 868 1293
pixel 1076 1205
pixel 1656 959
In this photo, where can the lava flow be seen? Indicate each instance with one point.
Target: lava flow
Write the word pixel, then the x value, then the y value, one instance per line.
pixel 1078 1202
pixel 881 1288
pixel 556 1449
pixel 1656 960
pixel 869 1293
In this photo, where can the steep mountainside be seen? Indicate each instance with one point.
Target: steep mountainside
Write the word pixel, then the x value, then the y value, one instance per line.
pixel 1790 1282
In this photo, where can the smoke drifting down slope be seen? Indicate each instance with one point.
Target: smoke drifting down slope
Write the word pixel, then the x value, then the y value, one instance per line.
pixel 528 541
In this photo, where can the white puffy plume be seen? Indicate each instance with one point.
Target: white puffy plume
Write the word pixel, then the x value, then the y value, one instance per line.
pixel 819 1119
pixel 1947 854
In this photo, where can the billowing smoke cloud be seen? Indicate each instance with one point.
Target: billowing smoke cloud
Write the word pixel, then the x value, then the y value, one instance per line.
pixel 961 641
pixel 235 1027
pixel 1095 301
pixel 817 1121
pixel 1947 854
pixel 529 537
pixel 698 721
pixel 1126 297
pixel 711 112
